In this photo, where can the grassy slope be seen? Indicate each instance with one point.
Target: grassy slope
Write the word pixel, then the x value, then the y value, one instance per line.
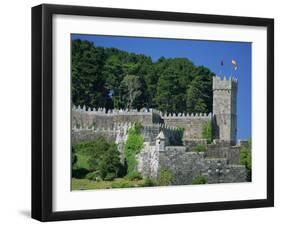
pixel 85 184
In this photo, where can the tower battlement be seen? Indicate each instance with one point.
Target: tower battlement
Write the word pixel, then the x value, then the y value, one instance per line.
pixel 224 83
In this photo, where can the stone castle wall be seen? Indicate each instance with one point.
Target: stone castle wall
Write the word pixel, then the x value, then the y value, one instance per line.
pixel 185 166
pixel 222 149
pixel 191 123
pixel 100 118
pixel 173 135
pixel 148 161
pixel 82 135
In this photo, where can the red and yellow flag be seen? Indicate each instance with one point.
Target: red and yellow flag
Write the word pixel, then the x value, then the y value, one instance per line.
pixel 234 63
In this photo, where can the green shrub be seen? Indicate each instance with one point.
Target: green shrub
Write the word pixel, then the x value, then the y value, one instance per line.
pixel 207 131
pixel 133 146
pixel 109 164
pixel 91 147
pixel 134 176
pixel 110 176
pixel 121 184
pixel 199 148
pixel 138 126
pixel 165 177
pixel 92 176
pixel 98 156
pixel 148 182
pixel 79 173
pixel 199 180
pixel 73 158
pixel 246 159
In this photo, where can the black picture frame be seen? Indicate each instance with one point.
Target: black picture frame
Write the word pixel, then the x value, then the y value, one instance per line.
pixel 42 111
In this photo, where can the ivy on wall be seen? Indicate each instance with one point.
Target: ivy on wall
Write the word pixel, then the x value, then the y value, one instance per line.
pixel 207 131
pixel 133 146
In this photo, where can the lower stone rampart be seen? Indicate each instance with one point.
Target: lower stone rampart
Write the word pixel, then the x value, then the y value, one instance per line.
pixel 224 150
pixel 186 165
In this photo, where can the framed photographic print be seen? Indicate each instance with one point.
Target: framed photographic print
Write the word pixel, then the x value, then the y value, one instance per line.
pixel 145 112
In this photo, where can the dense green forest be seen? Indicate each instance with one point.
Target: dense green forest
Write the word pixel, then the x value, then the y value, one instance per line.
pixel 111 78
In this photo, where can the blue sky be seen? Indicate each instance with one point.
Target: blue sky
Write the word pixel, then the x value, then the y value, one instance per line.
pixel 200 52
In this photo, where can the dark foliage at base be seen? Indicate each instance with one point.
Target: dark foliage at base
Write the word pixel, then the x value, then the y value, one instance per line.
pixel 246 158
pixel 199 180
pixel 95 160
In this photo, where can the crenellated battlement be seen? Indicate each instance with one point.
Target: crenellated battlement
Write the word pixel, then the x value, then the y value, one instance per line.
pixel 231 78
pixel 111 112
pixel 143 111
pixel 186 115
pixel 116 127
pixel 224 83
pixel 161 126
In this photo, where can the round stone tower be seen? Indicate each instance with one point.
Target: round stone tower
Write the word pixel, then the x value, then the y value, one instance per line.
pixel 224 109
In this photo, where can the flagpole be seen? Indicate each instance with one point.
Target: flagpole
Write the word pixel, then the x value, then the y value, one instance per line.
pixel 220 73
